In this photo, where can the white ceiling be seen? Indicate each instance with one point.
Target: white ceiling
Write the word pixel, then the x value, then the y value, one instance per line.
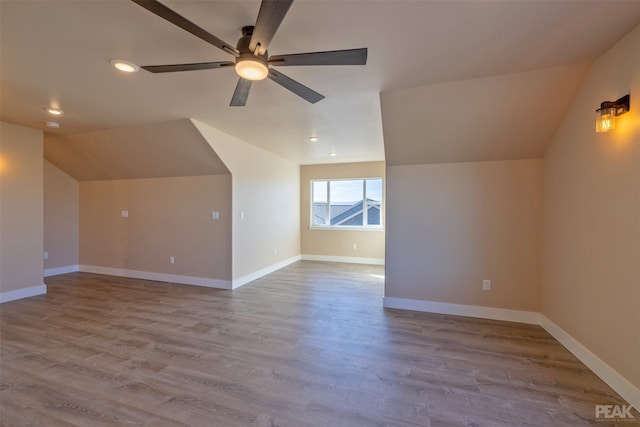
pixel 56 53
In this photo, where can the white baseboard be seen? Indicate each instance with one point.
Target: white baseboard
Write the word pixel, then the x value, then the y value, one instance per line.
pixel 187 280
pixel 61 270
pixel 161 277
pixel 624 388
pixel 347 259
pixel 23 293
pixel 462 310
pixel 263 272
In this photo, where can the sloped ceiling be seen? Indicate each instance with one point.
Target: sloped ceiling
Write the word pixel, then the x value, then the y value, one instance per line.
pixel 505 117
pixel 56 52
pixel 169 149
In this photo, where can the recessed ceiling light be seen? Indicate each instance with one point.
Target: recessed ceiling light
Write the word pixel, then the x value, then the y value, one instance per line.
pixel 54 111
pixel 52 124
pixel 333 154
pixel 313 138
pixel 125 66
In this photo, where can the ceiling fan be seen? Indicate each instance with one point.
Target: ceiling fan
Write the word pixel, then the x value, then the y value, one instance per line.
pixel 251 57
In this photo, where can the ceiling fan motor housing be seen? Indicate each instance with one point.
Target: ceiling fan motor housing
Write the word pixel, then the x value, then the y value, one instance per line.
pixel 243 42
pixel 248 65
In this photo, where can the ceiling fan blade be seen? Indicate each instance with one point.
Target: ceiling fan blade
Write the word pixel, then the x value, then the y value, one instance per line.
pixel 241 93
pixel 271 14
pixel 333 57
pixel 186 67
pixel 164 12
pixel 295 87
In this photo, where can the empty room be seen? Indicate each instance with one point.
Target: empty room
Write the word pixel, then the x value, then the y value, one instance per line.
pixel 319 213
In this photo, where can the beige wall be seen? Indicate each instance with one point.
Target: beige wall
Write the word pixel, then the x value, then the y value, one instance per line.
pixel 61 218
pixel 591 216
pixel 449 226
pixel 339 243
pixel 167 217
pixel 266 191
pixel 21 207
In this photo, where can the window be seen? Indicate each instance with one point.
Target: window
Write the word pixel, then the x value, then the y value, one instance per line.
pixel 346 203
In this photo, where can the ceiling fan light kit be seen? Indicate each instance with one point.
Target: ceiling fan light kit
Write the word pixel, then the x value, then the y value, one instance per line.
pixel 251 67
pixel 251 58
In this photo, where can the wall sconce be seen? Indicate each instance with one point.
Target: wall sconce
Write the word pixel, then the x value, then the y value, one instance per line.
pixel 606 114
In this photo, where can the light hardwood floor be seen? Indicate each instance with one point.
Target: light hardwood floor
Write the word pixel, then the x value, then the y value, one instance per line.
pixel 309 345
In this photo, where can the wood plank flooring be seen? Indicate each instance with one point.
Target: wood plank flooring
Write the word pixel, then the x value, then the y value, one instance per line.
pixel 309 345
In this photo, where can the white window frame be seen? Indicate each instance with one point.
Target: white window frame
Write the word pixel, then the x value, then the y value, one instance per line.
pixel 365 206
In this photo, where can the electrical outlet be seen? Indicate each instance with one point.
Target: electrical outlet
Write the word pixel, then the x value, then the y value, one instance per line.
pixel 172 260
pixel 486 285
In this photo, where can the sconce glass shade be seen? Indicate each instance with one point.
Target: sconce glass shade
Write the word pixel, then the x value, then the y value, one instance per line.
pixel 606 114
pixel 605 119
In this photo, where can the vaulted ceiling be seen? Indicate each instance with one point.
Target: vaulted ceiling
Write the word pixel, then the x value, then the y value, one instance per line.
pixel 441 75
pixel 168 149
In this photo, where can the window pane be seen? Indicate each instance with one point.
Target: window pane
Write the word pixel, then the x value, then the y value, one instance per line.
pixel 346 202
pixel 374 189
pixel 319 205
pixel 373 215
pixel 346 192
pixel 319 192
pixel 351 221
pixel 319 213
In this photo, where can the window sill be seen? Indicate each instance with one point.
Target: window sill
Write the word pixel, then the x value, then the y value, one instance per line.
pixel 331 228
